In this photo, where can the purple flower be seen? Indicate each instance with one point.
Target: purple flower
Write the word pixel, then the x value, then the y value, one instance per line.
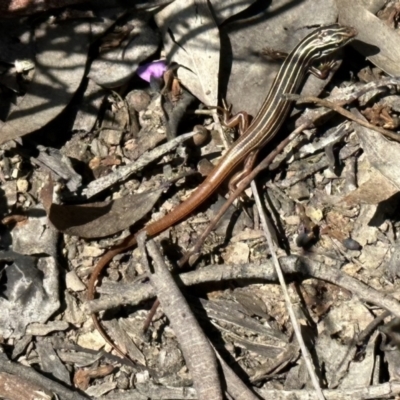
pixel 155 69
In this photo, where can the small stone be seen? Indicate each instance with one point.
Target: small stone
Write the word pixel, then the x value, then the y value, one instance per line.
pixel 10 191
pixel 329 174
pixel 94 163
pixel 91 340
pixel 299 191
pixel 71 251
pixel 98 148
pixel 237 254
pixel 351 244
pixel 314 214
pixel 91 251
pixel 138 100
pixel 142 377
pixel 201 137
pixel 73 282
pixel 22 185
pixel 111 137
pixel 292 220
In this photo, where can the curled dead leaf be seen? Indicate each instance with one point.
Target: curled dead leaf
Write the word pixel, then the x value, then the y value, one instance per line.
pixel 98 219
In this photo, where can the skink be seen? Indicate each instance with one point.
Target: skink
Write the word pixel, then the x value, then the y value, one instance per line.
pixel 320 43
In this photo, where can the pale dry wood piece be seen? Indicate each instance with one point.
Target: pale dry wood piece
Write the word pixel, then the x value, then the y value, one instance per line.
pixel 149 390
pixel 118 332
pixel 198 353
pixel 50 362
pixel 269 369
pixel 53 161
pixel 382 156
pixel 227 313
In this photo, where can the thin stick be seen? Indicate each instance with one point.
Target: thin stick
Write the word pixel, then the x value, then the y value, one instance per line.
pixel 300 266
pixel 292 315
pixel 342 111
pixel 29 374
pixel 199 355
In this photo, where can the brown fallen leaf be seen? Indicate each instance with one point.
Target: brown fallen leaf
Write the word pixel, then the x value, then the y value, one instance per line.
pixel 367 192
pixel 13 219
pixel 98 219
pixel 82 376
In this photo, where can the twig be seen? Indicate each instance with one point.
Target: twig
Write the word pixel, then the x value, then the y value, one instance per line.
pixel 345 98
pixel 349 97
pixel 291 265
pixel 292 315
pixel 218 127
pixel 362 336
pixel 340 110
pixel 29 374
pixel 125 171
pixel 234 385
pixel 199 355
pixel 344 153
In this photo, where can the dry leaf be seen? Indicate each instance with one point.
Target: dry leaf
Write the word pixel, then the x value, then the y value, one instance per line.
pixel 31 292
pixel 384 172
pixel 366 193
pixel 191 39
pixel 119 62
pixel 100 219
pixel 59 69
pixel 224 9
